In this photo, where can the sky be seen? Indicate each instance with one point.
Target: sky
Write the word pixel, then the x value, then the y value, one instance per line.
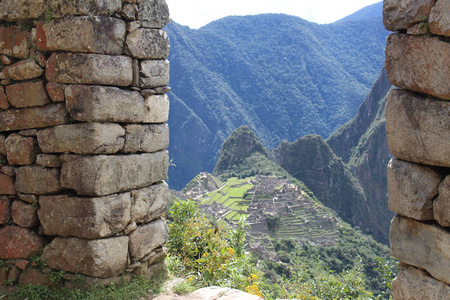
pixel 197 13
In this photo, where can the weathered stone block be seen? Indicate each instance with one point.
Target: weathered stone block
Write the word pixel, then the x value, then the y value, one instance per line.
pixel 103 175
pixel 158 255
pixel 48 160
pixel 419 63
pixel 14 42
pixel 6 185
pixel 418 128
pixel 84 7
pixel 26 118
pixel 146 138
pixel 148 43
pixel 2 144
pixel 86 138
pixel 8 170
pixel 129 11
pixel 423 245
pixel 101 258
pixel 38 180
pixel 28 198
pixel 21 150
pixel 157 107
pixel 35 277
pixel 154 73
pixel 412 283
pixel 146 238
pixel 412 189
pixel 93 34
pixel 5 209
pixel 87 218
pixel 16 10
pixel 84 68
pixel 56 91
pixel 17 242
pixel 439 20
pixel 153 13
pixel 22 70
pixel 24 214
pixel 27 94
pixel 3 100
pixel 149 203
pixel 442 204
pixel 402 14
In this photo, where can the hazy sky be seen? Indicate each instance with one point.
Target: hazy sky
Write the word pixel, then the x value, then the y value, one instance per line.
pixel 196 13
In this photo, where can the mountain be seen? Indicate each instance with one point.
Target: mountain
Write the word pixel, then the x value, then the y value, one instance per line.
pixel 282 76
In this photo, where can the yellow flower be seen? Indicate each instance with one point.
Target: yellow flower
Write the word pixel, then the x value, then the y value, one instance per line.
pixel 205 254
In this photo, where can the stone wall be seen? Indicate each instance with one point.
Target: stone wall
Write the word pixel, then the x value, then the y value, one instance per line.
pixel 418 130
pixel 83 133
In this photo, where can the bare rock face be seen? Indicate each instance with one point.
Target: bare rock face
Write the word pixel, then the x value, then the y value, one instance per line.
pixel 213 292
pixel 153 13
pixel 418 128
pixel 146 138
pixel 412 189
pixel 149 203
pixel 66 216
pixel 439 20
pixel 16 10
pixel 146 238
pixel 139 47
pixel 17 242
pixel 419 63
pixel 100 258
pixel 14 42
pixel 402 14
pixel 425 246
pixel 442 204
pixel 37 180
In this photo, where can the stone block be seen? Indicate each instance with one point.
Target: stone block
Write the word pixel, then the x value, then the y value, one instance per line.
pixel 21 150
pixel 17 242
pixel 100 258
pixel 423 245
pixel 83 68
pixel 56 91
pixel 419 63
pixel 83 7
pixel 14 42
pixel 38 180
pixel 24 214
pixel 399 15
pixel 154 73
pixel 145 43
pixel 103 175
pixel 439 20
pixel 21 263
pixel 16 10
pixel 86 218
pixel 93 34
pixel 157 255
pixel 22 70
pixel 29 198
pixel 8 170
pixel 2 144
pixel 418 128
pixel 442 204
pixel 157 107
pixel 153 13
pixel 27 94
pixel 3 100
pixel 129 11
pixel 6 185
pixel 412 189
pixel 104 104
pixel 86 138
pixel 5 209
pixel 38 117
pixel 412 283
pixel 146 238
pixel 146 138
pixel 48 160
pixel 149 203
pixel 35 277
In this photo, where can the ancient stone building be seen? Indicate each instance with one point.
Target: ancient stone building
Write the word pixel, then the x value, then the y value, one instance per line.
pixel 83 133
pixel 418 130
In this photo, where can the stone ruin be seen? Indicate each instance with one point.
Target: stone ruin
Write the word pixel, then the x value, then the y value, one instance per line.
pixel 83 133
pixel 418 131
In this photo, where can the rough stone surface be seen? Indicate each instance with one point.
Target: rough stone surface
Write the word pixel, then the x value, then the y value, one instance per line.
pixel 16 10
pixel 101 258
pixel 22 70
pixel 38 180
pixel 27 94
pixel 419 63
pixel 138 44
pixel 28 198
pixel 212 293
pixel 402 14
pixel 35 277
pixel 56 91
pixel 67 216
pixel 146 238
pixel 6 185
pixel 17 242
pixel 2 144
pixel 8 170
pixel 149 203
pixel 86 138
pixel 412 189
pixel 442 204
pixel 103 175
pixel 26 118
pixel 48 160
pixel 412 283
pixel 92 34
pixel 153 13
pixel 146 138
pixel 81 68
pixel 425 246
pixel 439 20
pixel 24 214
pixel 154 73
pixel 84 7
pixel 21 150
pixel 158 109
pixel 3 100
pixel 5 209
pixel 156 256
pixel 14 42
pixel 418 128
